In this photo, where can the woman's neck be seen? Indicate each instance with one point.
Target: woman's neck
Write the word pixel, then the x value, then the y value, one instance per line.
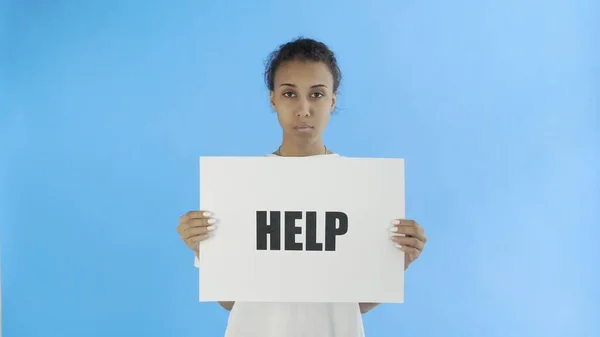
pixel 288 149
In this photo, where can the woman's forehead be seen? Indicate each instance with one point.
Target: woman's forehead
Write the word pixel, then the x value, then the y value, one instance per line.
pixel 303 73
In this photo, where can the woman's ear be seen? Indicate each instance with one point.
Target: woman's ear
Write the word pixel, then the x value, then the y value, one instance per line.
pixel 272 99
pixel 333 102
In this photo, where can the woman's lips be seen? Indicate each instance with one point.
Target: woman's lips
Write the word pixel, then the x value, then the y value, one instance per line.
pixel 304 128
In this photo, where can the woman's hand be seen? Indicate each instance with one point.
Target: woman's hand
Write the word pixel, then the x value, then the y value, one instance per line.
pixel 194 227
pixel 410 237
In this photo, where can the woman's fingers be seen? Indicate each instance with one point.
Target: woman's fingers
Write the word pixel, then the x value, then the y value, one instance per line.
pixel 194 219
pixel 194 240
pixel 195 231
pixel 203 222
pixel 195 227
pixel 409 242
pixel 409 237
pixel 408 228
pixel 194 215
pixel 411 253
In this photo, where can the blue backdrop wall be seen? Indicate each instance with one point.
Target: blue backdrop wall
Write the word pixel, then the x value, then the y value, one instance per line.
pixel 106 106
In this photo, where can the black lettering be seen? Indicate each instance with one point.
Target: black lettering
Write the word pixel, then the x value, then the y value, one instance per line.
pixel 311 232
pixel 336 224
pixel 291 230
pixel 331 230
pixel 273 229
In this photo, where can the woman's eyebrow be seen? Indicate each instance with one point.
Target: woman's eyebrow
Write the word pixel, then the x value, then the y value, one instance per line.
pixel 293 85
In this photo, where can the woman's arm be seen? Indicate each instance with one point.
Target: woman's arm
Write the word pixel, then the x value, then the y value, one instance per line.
pixel 227 305
pixel 365 307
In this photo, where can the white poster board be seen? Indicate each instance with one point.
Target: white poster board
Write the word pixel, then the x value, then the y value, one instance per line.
pixel 361 195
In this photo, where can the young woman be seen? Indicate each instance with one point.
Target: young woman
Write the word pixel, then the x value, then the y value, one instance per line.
pixel 303 78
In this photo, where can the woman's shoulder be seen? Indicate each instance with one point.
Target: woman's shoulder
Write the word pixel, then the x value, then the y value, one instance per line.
pixel 315 156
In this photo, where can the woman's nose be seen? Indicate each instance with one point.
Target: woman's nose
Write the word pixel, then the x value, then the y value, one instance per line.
pixel 303 109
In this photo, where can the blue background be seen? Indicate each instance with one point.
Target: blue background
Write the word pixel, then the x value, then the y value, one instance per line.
pixel 106 106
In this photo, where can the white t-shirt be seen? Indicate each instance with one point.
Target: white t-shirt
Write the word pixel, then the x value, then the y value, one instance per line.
pixel 249 319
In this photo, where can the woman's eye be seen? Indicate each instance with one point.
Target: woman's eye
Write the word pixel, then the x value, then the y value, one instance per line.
pixel 288 94
pixel 318 95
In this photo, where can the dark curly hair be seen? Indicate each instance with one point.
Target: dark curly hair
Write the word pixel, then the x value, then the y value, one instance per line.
pixel 302 49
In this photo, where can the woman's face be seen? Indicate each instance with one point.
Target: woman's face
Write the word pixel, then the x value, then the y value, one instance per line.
pixel 304 99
